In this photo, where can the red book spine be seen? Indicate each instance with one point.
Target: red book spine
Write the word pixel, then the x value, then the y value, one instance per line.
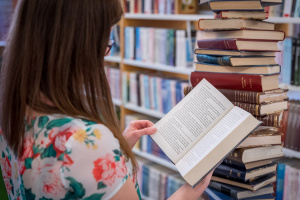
pixel 218 44
pixel 245 82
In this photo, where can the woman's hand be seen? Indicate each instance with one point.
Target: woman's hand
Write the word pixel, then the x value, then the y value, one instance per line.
pixel 137 129
pixel 187 192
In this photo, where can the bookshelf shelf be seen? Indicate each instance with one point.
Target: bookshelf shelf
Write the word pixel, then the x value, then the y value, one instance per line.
pixel 117 102
pixel 144 111
pixel 173 17
pixel 159 67
pixel 291 153
pixel 155 159
pixel 284 20
pixel 116 59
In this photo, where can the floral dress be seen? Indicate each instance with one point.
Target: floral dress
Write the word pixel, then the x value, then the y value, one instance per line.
pixel 65 158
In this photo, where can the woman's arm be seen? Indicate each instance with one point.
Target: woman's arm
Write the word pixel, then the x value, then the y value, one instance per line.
pixel 128 191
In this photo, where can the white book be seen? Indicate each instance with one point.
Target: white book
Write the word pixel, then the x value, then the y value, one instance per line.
pixel 287 8
pixel 147 7
pixel 124 86
pixel 131 43
pixel 200 131
pixel 157 45
pixel 142 90
pixel 162 6
pixel 144 41
pixel 133 88
pixel 158 95
pixel 151 45
pixel 173 92
pixel 151 87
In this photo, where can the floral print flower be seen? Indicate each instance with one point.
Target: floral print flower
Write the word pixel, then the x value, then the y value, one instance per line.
pixel 7 173
pixel 105 169
pixel 97 134
pixel 80 135
pixel 27 147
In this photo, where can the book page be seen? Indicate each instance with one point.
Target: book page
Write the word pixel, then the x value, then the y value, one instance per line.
pixel 212 139
pixel 190 120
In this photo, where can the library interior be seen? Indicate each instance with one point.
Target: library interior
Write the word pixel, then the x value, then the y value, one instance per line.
pixel 249 50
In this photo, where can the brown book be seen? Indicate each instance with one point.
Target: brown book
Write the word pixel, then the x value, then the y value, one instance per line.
pixel 262 137
pixel 293 112
pixel 259 70
pixel 230 24
pixel 234 14
pixel 247 155
pixel 262 109
pixel 218 52
pixel 274 120
pixel 284 122
pixel 251 97
pixel 297 133
pixel 263 35
pixel 294 130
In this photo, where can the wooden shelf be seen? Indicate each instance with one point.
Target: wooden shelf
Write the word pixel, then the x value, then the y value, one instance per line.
pixel 177 17
pixel 155 159
pixel 144 111
pixel 116 59
pixel 159 67
pixel 117 102
pixel 291 153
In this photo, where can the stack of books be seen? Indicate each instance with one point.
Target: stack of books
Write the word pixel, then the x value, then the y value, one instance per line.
pixel 236 53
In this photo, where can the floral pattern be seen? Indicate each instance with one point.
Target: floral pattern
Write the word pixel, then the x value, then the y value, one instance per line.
pixel 65 158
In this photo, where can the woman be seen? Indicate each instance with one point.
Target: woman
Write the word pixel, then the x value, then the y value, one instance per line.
pixel 57 116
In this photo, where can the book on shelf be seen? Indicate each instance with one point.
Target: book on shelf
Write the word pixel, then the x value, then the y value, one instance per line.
pixel 244 175
pixel 250 185
pixel 218 52
pixel 292 137
pixel 197 121
pixel 240 193
pixel 248 155
pixel 216 195
pixel 231 24
pixel 238 44
pixel 264 35
pixel 244 82
pixel 257 69
pixel 232 14
pixel 246 166
pixel 234 61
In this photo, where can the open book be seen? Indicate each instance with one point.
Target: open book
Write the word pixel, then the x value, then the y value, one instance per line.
pixel 200 131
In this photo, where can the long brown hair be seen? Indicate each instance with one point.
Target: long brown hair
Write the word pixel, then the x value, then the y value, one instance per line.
pixel 57 48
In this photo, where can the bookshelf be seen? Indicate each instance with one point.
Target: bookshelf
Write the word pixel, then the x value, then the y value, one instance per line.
pixel 144 111
pixel 117 102
pixel 114 59
pixel 291 153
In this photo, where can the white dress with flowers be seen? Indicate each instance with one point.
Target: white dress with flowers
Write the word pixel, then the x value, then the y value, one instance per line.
pixel 65 158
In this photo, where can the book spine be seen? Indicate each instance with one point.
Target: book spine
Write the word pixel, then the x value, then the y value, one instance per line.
pixel 216 60
pixel 218 44
pixel 241 96
pixel 236 155
pixel 232 163
pixel 294 55
pixel 254 109
pixel 280 181
pixel 245 82
pixel 272 120
pixel 224 189
pixel 225 171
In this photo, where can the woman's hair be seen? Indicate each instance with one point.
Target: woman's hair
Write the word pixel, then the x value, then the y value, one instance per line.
pixel 57 49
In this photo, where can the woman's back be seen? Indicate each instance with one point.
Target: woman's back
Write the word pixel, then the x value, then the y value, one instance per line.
pixel 65 158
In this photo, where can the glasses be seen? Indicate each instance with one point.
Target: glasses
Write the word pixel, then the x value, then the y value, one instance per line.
pixel 109 46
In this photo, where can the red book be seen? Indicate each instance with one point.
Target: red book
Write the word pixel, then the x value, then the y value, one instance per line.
pixel 245 82
pixel 238 44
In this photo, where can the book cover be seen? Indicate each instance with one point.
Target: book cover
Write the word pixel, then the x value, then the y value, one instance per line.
pixel 244 82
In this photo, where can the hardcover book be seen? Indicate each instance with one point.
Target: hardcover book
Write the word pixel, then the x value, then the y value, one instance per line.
pixel 257 69
pixel 238 44
pixel 236 60
pixel 247 155
pixel 232 14
pixel 243 166
pixel 244 82
pixel 250 185
pixel 243 175
pixel 231 24
pixel 245 34
pixel 240 193
pixel 202 130
pixel 217 52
